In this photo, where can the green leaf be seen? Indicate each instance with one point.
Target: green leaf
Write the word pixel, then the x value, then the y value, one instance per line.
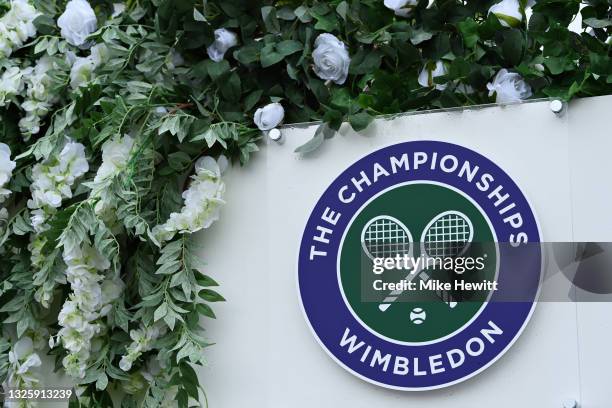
pixel 365 62
pixel 205 310
pixel 469 31
pixel 289 47
pixel 232 88
pixel 179 161
pixel 597 23
pixel 160 312
pixel 342 9
pixel 512 47
pixel 198 16
pixel 268 13
pixel 303 14
pixel 210 295
pixel 419 36
pixel 360 121
pixel 322 132
pixel 217 69
pixel 101 382
pixel 248 54
pixel 269 56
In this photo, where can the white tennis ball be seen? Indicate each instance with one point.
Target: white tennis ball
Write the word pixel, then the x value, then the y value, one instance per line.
pixel 418 315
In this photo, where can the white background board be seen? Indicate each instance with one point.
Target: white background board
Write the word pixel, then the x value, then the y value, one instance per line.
pixel 267 357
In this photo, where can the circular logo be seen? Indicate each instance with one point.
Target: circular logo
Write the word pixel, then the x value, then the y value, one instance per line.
pixel 408 269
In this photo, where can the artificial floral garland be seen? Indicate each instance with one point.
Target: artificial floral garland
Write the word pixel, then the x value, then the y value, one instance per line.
pixel 118 120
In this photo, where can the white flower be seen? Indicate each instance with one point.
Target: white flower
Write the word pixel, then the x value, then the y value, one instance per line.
pixel 81 315
pixel 402 8
pixel 125 364
pixel 52 181
pixel 81 72
pixel 11 84
pixel 99 54
pixel 115 155
pixel 431 71
pixel 83 68
pixel 6 170
pixel 77 22
pixel 269 117
pixel 331 59
pixel 22 359
pixel 203 201
pixel 111 290
pixel 39 99
pixel 224 40
pixel 508 12
pixel 509 87
pixel 142 341
pixel 23 348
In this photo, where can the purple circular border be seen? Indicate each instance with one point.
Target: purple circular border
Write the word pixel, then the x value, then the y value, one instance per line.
pixel 329 316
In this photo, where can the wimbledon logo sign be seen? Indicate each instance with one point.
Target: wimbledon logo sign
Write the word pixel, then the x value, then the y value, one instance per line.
pixel 373 269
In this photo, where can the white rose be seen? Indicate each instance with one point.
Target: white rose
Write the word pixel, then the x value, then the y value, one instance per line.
pixel 77 22
pixel 509 87
pixel 331 59
pixel 269 117
pixel 429 72
pixel 224 40
pixel 402 8
pixel 508 12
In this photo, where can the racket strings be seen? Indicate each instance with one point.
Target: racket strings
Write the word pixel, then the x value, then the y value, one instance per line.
pixel 448 236
pixel 385 239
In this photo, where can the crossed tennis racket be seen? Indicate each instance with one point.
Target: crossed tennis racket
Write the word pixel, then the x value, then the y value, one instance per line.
pixel 448 234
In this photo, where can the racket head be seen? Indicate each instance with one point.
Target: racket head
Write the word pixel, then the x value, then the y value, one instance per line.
pixel 385 237
pixel 449 234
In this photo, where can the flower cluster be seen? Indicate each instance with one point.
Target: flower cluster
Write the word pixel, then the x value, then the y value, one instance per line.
pixel 16 26
pixel 142 341
pixel 91 298
pixel 38 98
pixel 115 156
pixel 203 201
pixel 52 181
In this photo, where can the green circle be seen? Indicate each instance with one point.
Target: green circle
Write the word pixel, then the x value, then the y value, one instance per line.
pixel 415 205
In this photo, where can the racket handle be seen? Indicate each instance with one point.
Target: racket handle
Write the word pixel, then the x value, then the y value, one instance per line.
pixel 445 296
pixel 393 295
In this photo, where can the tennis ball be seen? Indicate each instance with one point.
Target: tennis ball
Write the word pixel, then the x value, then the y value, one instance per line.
pixel 418 315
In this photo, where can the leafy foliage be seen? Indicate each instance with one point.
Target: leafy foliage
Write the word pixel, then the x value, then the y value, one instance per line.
pixel 158 85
